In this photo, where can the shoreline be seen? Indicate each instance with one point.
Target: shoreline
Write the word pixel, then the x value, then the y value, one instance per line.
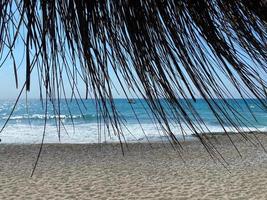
pixel 154 139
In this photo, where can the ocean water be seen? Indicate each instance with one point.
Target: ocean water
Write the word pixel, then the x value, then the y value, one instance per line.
pixel 80 122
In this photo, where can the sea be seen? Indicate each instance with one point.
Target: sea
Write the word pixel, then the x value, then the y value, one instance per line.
pixel 80 122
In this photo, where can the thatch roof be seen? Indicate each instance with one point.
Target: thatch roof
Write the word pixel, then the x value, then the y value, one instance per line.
pixel 159 48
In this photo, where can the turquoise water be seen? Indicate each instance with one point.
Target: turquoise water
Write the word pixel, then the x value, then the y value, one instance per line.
pixel 27 122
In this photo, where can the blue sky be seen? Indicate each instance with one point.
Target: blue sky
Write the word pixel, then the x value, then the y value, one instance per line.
pixel 7 81
pixel 8 87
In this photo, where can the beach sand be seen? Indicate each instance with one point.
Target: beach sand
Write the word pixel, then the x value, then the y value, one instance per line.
pixel 80 171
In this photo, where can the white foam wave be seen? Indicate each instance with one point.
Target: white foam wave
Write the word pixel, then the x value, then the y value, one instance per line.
pixel 93 133
pixel 41 117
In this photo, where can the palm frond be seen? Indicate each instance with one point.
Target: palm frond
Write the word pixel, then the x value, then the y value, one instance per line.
pixel 158 48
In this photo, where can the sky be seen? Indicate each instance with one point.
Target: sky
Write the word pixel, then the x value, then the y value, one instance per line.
pixel 8 88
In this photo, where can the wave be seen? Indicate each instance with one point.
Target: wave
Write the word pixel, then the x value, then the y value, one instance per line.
pixel 95 133
pixel 50 117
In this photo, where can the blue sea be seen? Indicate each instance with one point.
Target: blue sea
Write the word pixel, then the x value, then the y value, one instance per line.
pixel 80 121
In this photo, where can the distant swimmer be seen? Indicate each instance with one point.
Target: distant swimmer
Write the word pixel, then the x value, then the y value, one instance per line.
pixel 131 101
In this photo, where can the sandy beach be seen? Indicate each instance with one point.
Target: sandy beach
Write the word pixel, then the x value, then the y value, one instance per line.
pixel 94 171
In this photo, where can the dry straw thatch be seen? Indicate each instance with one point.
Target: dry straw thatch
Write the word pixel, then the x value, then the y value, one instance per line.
pixel 168 49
